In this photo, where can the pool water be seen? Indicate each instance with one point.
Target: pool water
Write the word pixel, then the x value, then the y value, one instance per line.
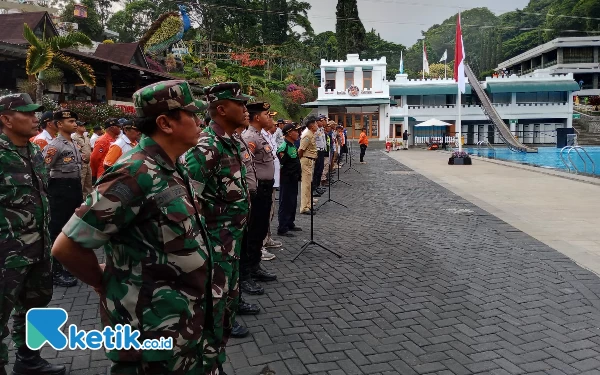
pixel 546 157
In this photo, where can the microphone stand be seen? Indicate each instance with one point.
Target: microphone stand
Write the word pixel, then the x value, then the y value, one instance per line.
pixel 329 190
pixel 351 167
pixel 312 240
pixel 338 176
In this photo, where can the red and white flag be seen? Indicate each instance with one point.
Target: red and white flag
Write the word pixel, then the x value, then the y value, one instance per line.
pixel 425 62
pixel 459 58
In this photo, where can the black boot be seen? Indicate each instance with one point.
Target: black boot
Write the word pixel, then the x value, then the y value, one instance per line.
pixel 29 362
pixel 239 331
pixel 221 371
pixel 63 278
pixel 2 371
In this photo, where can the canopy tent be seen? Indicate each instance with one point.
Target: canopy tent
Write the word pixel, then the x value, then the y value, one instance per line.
pixel 432 122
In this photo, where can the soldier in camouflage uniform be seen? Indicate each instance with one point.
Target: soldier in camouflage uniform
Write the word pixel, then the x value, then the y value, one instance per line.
pixel 25 280
pixel 216 162
pixel 144 212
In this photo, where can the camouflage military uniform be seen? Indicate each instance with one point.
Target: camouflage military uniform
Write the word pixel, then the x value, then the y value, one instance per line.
pixel 144 213
pixel 25 280
pixel 216 162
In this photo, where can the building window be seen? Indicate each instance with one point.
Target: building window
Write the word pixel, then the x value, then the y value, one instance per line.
pixel 578 55
pixel 501 98
pixel 330 81
pixel 413 100
pixel 367 79
pixel 349 79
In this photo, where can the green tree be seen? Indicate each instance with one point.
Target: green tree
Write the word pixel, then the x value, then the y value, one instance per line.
pixel 44 53
pixel 135 19
pixel 90 26
pixel 349 29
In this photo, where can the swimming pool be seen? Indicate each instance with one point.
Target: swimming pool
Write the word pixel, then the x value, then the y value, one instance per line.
pixel 546 157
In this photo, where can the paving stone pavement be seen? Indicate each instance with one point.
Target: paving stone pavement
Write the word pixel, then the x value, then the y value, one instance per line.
pixel 428 284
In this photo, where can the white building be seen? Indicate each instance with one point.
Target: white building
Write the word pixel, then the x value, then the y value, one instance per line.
pixel 356 94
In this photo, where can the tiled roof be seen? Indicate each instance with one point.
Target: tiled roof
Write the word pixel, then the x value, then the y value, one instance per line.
pixel 122 53
pixel 11 25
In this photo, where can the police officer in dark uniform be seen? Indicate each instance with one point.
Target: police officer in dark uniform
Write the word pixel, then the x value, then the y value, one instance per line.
pixel 261 199
pixel 64 164
pixel 291 173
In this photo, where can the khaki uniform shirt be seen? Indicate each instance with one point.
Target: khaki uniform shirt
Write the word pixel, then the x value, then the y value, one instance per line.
pixel 308 144
pixel 85 147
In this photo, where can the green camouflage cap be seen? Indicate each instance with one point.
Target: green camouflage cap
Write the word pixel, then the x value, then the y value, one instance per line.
pixel 20 102
pixel 225 91
pixel 161 97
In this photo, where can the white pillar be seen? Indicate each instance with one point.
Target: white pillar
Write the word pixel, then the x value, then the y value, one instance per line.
pixel 339 80
pixel 384 121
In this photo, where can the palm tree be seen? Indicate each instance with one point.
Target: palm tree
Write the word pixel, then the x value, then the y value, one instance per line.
pixel 43 53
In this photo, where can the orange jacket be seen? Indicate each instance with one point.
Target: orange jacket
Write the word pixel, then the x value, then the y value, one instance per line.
pixel 363 140
pixel 99 153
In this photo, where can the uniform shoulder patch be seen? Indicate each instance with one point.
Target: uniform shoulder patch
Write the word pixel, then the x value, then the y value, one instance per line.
pixel 51 151
pixel 252 146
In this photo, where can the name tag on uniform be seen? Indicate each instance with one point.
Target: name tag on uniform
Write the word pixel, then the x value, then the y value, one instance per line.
pixel 163 198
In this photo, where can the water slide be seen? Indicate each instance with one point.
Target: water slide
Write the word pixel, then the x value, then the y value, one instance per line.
pixel 507 136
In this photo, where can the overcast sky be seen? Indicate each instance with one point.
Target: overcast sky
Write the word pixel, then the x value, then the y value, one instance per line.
pixel 401 21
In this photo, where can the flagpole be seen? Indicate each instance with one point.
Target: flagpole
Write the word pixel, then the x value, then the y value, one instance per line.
pixel 459 120
pixel 445 68
pixel 423 78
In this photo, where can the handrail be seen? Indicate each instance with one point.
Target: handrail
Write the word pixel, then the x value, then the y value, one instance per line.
pixel 487 143
pixel 488 109
pixel 569 149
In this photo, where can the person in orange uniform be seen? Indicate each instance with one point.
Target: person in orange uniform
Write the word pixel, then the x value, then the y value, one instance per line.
pixel 113 129
pixel 49 130
pixel 129 139
pixel 363 141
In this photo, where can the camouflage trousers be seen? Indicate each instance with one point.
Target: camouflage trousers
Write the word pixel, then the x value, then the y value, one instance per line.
pixel 225 300
pixel 21 289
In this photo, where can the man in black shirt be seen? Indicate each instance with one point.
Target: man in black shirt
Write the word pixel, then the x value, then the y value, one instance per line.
pixel 291 173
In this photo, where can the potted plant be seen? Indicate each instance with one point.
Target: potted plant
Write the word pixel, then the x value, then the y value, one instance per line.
pixel 459 158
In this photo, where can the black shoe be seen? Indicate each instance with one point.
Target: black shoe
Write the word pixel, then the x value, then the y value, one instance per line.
pixel 251 287
pixel 321 190
pixel 245 308
pixel 262 275
pixel 309 212
pixel 316 194
pixel 239 331
pixel 29 362
pixel 296 229
pixel 221 371
pixel 285 234
pixel 62 279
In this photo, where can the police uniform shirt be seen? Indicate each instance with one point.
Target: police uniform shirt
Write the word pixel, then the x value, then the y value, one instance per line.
pixel 62 158
pixel 263 155
pixel 320 139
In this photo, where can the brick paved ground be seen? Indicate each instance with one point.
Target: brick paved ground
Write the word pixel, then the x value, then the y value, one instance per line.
pixel 429 283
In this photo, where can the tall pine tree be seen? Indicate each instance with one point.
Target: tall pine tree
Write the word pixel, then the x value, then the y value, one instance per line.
pixel 274 21
pixel 350 32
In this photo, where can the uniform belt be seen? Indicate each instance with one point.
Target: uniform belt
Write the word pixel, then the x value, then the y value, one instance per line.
pixel 308 157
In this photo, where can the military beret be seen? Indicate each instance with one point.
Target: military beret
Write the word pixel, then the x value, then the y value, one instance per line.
pixel 258 107
pixel 20 102
pixel 289 127
pixel 111 122
pixel 225 91
pixel 64 114
pixel 164 96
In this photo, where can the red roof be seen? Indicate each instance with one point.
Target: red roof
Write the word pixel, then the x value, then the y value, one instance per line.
pixel 11 25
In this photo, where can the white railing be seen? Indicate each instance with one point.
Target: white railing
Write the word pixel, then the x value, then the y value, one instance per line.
pixel 419 140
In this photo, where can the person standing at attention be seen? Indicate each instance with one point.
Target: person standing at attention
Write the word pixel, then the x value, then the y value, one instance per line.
pixel 363 141
pixel 64 163
pixel 49 130
pixel 145 216
pixel 308 155
pixel 98 132
pixel 25 243
pixel 291 172
pixel 85 148
pixel 113 129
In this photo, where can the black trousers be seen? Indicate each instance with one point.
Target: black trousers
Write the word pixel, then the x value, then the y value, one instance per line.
pixel 288 201
pixel 318 171
pixel 65 196
pixel 258 226
pixel 363 149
